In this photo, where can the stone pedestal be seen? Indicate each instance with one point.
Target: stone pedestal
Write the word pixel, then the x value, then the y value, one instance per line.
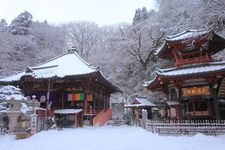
pixel 12 116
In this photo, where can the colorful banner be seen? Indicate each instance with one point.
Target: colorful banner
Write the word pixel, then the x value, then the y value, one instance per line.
pixel 80 97
pixel 76 97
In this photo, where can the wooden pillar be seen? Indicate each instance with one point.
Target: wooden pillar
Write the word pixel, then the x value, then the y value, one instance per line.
pixel 186 107
pixel 49 94
pixel 94 103
pixel 85 106
pixel 49 90
pixel 193 105
pixel 177 112
pixel 76 120
pixel 175 56
pixel 215 102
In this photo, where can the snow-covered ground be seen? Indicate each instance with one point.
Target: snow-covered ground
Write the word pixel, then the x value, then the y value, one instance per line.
pixel 110 138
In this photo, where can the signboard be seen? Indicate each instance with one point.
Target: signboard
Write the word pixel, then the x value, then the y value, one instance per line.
pixel 195 91
pixel 33 123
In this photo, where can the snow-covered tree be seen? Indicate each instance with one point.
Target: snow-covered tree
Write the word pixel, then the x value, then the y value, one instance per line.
pixel 3 25
pixel 84 36
pixel 50 40
pixel 21 24
pixel 140 15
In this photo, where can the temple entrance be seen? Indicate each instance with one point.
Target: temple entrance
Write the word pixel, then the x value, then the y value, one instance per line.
pixel 198 108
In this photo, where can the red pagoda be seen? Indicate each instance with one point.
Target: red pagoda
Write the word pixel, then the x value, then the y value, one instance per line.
pixel 195 86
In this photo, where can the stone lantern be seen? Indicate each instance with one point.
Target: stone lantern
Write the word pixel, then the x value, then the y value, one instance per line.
pixel 13 113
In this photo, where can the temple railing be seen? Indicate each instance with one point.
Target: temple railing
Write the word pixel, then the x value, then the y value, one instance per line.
pixel 187 127
pixel 199 113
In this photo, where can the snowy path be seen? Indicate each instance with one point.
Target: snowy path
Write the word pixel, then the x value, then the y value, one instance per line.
pixel 110 138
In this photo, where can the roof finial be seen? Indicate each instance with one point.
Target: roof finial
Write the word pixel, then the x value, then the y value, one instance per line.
pixel 72 50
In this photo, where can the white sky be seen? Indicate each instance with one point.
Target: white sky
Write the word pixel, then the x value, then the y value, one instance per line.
pixel 59 11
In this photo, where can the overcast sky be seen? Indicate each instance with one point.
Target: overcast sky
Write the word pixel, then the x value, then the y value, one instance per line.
pixel 102 12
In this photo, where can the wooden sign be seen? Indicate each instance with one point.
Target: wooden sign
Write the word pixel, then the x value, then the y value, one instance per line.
pixel 195 91
pixel 33 123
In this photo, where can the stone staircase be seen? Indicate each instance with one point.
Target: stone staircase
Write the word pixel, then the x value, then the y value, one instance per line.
pixel 221 93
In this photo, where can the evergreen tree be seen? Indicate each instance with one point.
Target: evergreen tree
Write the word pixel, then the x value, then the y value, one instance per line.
pixel 140 15
pixel 20 25
pixel 3 25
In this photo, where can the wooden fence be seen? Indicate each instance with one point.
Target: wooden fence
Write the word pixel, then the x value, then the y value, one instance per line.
pixel 187 127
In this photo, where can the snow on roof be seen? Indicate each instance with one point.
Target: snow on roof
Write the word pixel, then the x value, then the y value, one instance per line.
pixel 186 35
pixel 182 36
pixel 149 82
pixel 25 109
pixel 160 48
pixel 170 103
pixel 65 65
pixel 155 109
pixel 188 70
pixel 67 111
pixel 197 69
pixel 142 102
pixel 14 77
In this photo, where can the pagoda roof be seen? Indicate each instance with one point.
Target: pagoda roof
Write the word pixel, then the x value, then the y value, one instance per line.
pixel 69 64
pixel 211 67
pixel 186 72
pixel 215 42
pixel 189 34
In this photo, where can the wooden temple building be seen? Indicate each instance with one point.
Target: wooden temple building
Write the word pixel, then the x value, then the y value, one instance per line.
pixel 195 85
pixel 69 84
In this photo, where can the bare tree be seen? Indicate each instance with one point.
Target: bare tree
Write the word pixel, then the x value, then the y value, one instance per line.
pixel 84 36
pixel 141 40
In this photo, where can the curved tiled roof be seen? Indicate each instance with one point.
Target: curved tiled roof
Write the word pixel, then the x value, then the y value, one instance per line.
pixel 198 69
pixel 216 44
pixel 65 65
pixel 187 71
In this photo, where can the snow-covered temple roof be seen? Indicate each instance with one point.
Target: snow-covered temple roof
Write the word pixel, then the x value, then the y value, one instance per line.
pixel 215 42
pixel 68 64
pixel 186 71
pixel 186 35
pixel 140 102
pixel 211 67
